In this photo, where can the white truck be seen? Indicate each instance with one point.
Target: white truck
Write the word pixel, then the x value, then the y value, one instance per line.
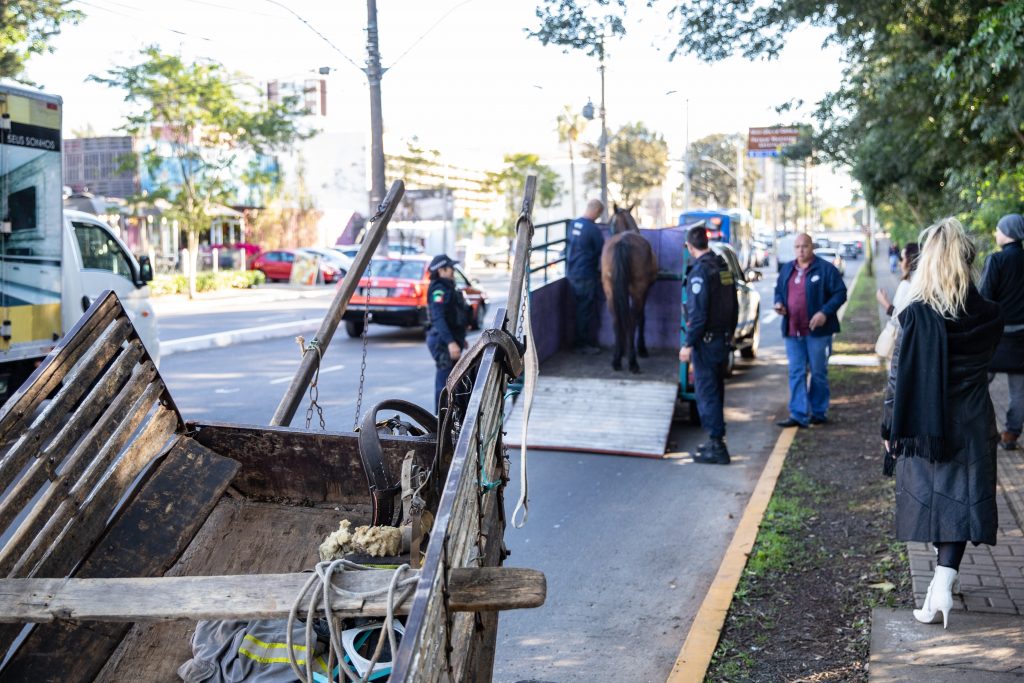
pixel 53 262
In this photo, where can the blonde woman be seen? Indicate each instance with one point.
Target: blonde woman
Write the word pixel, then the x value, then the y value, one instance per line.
pixel 938 426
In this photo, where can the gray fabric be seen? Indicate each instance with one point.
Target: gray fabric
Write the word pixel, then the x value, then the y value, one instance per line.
pixel 217 652
pixel 1012 225
pixel 1015 412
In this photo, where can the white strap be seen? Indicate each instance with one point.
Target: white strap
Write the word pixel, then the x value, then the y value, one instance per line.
pixel 530 371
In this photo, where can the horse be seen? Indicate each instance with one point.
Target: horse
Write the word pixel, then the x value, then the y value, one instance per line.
pixel 628 269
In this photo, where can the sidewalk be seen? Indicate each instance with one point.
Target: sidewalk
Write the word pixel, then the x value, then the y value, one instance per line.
pixel 985 639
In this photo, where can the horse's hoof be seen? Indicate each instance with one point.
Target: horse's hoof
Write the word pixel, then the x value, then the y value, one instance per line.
pixel 616 366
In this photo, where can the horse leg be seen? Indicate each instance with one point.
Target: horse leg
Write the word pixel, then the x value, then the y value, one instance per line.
pixel 634 367
pixel 641 316
pixel 617 356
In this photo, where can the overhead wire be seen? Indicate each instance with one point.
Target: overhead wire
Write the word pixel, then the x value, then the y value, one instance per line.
pixel 427 32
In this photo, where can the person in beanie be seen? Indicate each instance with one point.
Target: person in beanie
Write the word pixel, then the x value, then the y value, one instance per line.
pixel 447 315
pixel 1003 282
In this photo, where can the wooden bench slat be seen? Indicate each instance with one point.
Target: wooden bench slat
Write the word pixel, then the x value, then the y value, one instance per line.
pixel 81 517
pixel 145 539
pixel 22 405
pixel 259 596
pixel 70 431
pixel 126 406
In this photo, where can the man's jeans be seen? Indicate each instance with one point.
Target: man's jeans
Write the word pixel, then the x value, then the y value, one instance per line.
pixel 1015 413
pixel 808 353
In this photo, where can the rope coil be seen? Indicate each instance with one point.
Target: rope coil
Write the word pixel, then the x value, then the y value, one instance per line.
pixel 321 589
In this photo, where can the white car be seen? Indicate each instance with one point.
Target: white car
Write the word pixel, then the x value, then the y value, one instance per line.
pixel 833 257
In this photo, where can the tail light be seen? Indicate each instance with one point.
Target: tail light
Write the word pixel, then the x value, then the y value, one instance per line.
pixel 408 291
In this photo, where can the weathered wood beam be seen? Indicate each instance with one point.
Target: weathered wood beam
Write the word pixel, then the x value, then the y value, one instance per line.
pixel 258 596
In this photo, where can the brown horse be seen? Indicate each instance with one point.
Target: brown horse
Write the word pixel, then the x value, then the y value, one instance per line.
pixel 628 269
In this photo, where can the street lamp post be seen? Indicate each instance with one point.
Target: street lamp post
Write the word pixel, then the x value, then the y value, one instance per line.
pixel 604 133
pixel 736 175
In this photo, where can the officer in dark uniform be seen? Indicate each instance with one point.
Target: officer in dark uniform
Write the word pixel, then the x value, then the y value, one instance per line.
pixel 712 311
pixel 448 315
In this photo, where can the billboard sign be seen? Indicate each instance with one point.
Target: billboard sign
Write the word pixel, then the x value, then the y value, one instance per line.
pixel 426 205
pixel 769 142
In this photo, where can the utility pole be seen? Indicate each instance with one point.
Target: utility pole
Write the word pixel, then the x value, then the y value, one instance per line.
pixel 374 73
pixel 604 133
pixel 739 173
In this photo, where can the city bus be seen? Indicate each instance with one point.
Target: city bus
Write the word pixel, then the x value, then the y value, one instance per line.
pixel 734 227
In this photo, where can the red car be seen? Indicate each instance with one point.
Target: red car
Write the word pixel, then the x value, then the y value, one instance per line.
pixel 277 265
pixel 397 294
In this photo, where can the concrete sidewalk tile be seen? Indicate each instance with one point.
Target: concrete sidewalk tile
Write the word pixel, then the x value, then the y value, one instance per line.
pixel 993 581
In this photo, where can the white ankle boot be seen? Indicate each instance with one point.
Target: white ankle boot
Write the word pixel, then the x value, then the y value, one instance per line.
pixel 939 597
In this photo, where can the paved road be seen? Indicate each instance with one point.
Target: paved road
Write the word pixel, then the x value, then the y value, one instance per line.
pixel 629 545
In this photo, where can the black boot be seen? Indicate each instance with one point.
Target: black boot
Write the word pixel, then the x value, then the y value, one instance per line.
pixel 715 452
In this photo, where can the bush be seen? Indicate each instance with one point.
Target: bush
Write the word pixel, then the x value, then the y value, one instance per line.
pixel 177 283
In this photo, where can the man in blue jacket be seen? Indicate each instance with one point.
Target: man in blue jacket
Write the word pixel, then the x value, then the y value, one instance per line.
pixel 583 270
pixel 808 295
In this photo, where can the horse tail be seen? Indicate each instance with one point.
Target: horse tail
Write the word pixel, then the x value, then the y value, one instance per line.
pixel 620 288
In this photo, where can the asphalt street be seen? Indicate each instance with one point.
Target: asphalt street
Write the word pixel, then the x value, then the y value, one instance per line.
pixel 629 545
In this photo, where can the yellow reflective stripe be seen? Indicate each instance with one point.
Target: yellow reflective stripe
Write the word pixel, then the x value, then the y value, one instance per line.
pixel 264 659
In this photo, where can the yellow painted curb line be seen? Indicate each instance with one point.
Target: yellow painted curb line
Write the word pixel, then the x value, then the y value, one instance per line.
pixel 695 657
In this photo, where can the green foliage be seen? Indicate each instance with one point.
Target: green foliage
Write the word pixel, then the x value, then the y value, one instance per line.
pixel 511 182
pixel 206 282
pixel 26 27
pixel 711 184
pixel 637 162
pixel 205 128
pixel 579 26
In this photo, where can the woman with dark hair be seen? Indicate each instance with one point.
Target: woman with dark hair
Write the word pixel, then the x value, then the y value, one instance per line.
pixel 908 263
pixel 938 425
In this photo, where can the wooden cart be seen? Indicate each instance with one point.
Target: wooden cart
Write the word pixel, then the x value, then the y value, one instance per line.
pixel 124 523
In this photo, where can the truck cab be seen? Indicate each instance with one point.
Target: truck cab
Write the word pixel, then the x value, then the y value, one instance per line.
pixel 95 260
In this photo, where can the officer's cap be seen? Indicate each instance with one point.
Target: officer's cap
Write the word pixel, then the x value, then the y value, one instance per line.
pixel 441 261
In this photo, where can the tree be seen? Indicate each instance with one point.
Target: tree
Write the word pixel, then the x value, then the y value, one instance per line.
pixel 511 182
pixel 26 27
pixel 637 158
pixel 570 125
pixel 202 131
pixel 714 182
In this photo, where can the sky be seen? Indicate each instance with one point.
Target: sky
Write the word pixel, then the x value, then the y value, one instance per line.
pixel 462 76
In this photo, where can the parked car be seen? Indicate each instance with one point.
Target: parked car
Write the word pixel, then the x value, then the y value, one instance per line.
pixel 748 327
pixel 760 253
pixel 276 265
pixel 833 257
pixel 337 260
pixel 850 250
pixel 349 250
pixel 396 292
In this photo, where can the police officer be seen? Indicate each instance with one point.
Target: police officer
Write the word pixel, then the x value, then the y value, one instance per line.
pixel 583 270
pixel 448 315
pixel 711 315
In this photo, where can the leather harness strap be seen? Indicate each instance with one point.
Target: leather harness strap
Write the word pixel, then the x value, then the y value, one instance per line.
pixel 382 490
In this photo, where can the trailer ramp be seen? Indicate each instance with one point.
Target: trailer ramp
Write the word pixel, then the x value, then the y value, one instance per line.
pixel 613 416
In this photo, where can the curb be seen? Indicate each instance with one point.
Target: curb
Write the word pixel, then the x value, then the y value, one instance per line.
pixel 244 335
pixel 265 295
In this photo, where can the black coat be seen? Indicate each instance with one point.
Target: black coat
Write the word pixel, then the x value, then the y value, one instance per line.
pixel 954 500
pixel 1003 283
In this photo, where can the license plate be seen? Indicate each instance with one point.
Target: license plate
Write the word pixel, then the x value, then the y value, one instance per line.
pixel 374 291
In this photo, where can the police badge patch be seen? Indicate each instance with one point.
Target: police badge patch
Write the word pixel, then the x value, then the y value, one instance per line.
pixel 438 296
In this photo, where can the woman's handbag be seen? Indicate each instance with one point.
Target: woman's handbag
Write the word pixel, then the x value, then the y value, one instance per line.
pixel 886 342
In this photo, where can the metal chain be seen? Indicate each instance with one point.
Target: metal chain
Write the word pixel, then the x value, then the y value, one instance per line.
pixel 362 366
pixel 314 391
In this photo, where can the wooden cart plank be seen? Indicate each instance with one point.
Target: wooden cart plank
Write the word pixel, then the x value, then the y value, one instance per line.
pixel 72 486
pixel 296 464
pixel 144 539
pixel 54 416
pixel 247 597
pixel 71 429
pixel 20 408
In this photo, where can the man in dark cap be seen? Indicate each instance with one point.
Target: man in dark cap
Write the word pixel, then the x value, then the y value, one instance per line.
pixel 448 316
pixel 1003 282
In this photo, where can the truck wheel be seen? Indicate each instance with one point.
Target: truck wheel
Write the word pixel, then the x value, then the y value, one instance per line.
pixel 750 352
pixel 354 328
